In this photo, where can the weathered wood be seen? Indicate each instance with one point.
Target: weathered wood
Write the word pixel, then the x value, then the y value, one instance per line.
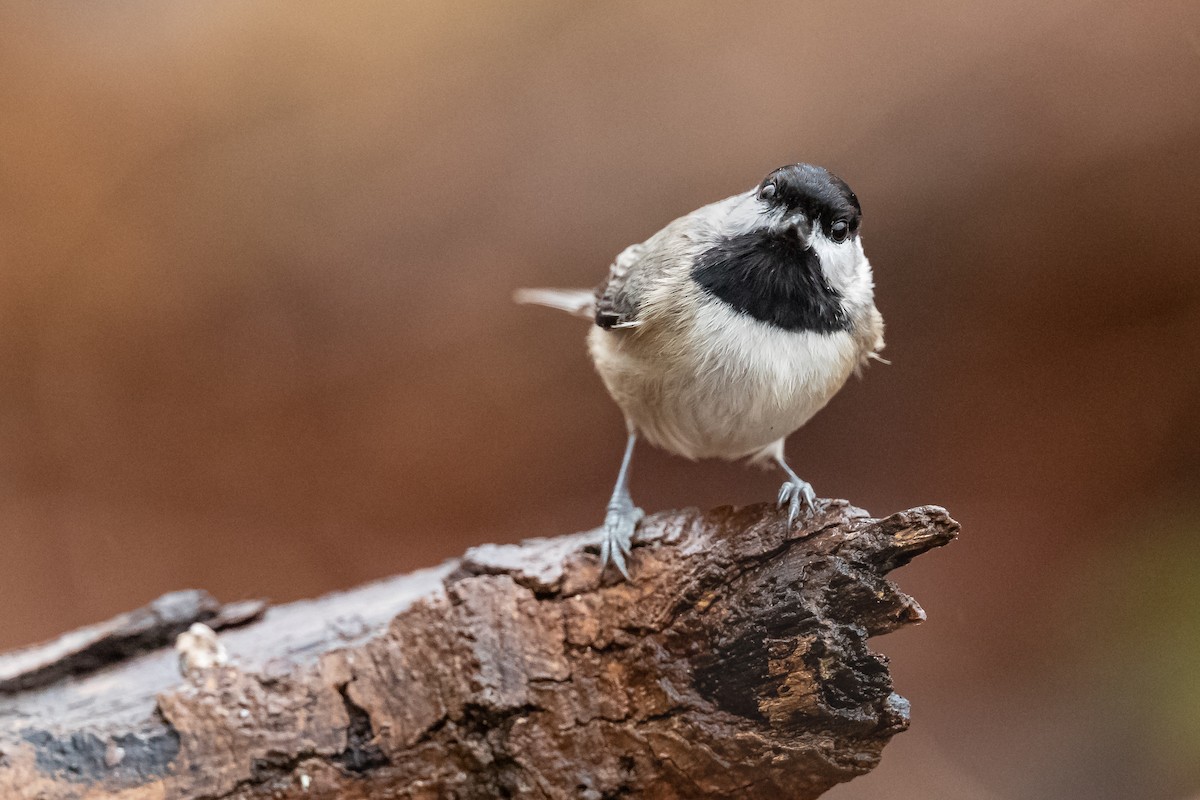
pixel 735 665
pixel 120 638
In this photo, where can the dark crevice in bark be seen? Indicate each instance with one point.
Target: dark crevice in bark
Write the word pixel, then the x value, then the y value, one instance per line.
pixel 362 753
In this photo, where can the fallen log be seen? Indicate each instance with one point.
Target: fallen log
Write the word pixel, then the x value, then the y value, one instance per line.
pixel 734 665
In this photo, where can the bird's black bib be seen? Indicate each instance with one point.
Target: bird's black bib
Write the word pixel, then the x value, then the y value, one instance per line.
pixel 774 278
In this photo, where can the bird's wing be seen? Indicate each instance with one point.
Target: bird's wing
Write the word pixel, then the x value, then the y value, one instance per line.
pixel 616 303
pixel 616 298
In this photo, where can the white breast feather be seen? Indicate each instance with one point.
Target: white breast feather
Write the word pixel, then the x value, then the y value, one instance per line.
pixel 721 384
pixel 756 383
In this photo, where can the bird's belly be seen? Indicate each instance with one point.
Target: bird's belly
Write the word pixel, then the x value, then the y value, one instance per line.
pixel 739 425
pixel 727 396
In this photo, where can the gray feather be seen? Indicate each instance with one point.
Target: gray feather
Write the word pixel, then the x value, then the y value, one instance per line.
pixel 576 302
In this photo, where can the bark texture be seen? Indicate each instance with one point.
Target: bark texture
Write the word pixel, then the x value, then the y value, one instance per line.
pixel 735 665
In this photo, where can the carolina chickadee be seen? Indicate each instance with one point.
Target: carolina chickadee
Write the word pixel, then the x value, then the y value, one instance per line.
pixel 730 328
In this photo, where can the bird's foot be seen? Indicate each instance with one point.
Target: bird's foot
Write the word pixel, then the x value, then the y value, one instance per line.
pixel 797 494
pixel 619 524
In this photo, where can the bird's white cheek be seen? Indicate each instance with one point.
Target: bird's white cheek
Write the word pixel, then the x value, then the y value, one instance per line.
pixel 743 214
pixel 847 269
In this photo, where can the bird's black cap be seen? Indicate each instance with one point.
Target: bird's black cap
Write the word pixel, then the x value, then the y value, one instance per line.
pixel 813 190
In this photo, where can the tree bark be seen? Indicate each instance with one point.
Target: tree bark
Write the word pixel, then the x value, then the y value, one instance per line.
pixel 734 665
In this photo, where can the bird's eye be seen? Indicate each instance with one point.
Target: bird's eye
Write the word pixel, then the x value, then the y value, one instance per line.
pixel 767 191
pixel 839 230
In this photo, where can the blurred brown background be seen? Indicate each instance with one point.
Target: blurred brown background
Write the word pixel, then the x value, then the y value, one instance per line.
pixel 256 337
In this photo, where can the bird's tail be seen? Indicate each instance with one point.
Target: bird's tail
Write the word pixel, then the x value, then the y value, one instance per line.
pixel 577 302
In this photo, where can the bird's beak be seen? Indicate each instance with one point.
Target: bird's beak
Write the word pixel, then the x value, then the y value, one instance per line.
pixel 798 223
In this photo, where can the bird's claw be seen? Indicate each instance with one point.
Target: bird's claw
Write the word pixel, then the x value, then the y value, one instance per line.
pixel 619 524
pixel 796 494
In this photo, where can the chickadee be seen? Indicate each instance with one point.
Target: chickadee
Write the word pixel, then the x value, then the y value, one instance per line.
pixel 730 328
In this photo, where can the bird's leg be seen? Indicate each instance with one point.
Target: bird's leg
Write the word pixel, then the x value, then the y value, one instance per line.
pixel 795 492
pixel 622 517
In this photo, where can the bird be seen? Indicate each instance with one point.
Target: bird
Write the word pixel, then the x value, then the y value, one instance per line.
pixel 729 329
